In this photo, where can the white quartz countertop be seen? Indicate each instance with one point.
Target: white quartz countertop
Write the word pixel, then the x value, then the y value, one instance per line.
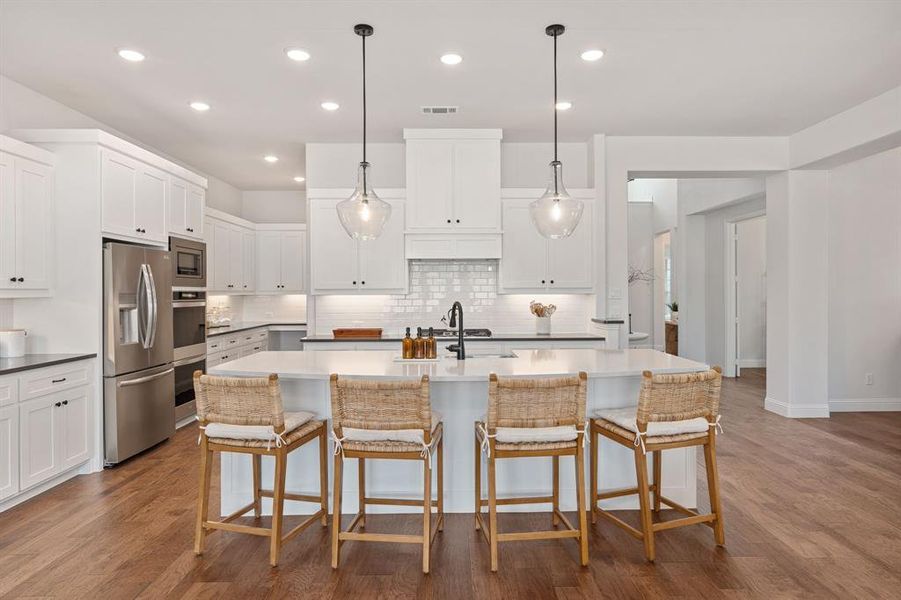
pixel 381 363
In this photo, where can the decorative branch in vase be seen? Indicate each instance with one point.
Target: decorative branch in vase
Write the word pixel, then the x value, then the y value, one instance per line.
pixel 636 274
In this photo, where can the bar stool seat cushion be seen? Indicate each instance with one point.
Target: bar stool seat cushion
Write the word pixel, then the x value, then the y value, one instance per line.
pixel 623 422
pixel 532 438
pixel 387 440
pixel 289 437
pixel 264 433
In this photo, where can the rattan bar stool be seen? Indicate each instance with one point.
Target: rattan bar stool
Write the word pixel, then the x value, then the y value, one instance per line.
pixel 382 419
pixel 245 415
pixel 674 411
pixel 531 418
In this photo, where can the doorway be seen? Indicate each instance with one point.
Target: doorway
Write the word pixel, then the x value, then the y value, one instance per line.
pixel 745 279
pixel 664 294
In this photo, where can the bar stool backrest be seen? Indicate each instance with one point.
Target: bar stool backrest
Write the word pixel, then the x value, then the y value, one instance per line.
pixel 679 396
pixel 536 402
pixel 239 400
pixel 392 404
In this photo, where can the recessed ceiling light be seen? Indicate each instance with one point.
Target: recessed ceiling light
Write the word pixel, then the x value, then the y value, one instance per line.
pixel 131 55
pixel 299 179
pixel 451 59
pixel 270 158
pixel 297 54
pixel 592 55
pixel 329 105
pixel 563 105
pixel 200 106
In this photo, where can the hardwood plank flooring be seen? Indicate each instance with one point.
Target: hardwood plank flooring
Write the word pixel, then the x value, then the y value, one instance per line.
pixel 812 510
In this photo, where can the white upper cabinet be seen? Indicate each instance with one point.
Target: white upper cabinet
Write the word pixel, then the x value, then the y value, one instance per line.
pixel 231 256
pixel 281 261
pixel 248 258
pixel 532 263
pixel 187 203
pixel 26 222
pixel 453 180
pixel 339 264
pixel 133 198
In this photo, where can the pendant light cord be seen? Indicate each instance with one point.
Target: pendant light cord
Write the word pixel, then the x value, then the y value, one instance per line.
pixel 555 99
pixel 364 98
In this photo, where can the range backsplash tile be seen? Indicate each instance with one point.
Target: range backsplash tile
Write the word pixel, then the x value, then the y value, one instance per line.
pixel 434 285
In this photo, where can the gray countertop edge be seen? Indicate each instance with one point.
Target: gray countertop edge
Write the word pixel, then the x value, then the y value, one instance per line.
pixel 29 362
pixel 501 337
pixel 217 331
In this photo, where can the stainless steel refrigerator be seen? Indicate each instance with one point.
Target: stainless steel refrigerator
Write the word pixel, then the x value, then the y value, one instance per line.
pixel 138 371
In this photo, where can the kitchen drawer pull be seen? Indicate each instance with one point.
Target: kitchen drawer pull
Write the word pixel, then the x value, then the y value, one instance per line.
pixel 141 380
pixel 58 404
pixel 12 278
pixel 65 402
pixel 58 380
pixel 20 279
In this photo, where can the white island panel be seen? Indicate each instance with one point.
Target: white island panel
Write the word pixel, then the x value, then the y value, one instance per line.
pixel 459 391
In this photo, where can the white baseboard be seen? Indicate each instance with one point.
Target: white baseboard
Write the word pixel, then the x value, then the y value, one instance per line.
pixel 865 404
pixel 752 363
pixel 41 487
pixel 809 411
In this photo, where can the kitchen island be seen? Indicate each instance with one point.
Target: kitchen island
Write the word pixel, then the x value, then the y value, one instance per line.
pixel 459 392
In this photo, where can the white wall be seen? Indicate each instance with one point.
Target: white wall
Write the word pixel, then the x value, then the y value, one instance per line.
pixel 751 269
pixel 274 206
pixel 6 314
pixel 664 194
pixel 864 214
pixel 223 196
pixel 522 164
pixel 641 256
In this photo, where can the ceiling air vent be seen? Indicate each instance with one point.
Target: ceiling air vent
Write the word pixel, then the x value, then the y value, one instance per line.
pixel 439 110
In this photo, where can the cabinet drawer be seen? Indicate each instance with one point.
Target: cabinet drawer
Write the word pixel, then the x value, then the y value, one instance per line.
pixel 53 379
pixel 247 337
pixel 9 390
pixel 231 341
pixel 261 335
pixel 214 345
pixel 224 356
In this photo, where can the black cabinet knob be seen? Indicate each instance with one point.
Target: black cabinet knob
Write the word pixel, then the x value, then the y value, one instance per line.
pixel 552 281
pixel 542 281
pixel 21 279
pixel 138 229
pixel 12 278
pixel 363 282
pixel 355 283
pixel 58 404
pixel 245 285
pixel 448 220
pixel 191 229
pixel 458 220
pixel 65 402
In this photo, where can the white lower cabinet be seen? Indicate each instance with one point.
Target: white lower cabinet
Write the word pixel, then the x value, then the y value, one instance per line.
pixel 55 434
pixel 9 451
pixel 223 348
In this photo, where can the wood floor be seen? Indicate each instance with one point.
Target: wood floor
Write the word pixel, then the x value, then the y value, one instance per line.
pixel 812 510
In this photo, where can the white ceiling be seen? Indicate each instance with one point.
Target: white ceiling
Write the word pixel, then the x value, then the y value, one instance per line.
pixel 672 68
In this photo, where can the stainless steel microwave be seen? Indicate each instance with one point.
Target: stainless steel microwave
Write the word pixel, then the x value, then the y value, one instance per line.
pixel 188 263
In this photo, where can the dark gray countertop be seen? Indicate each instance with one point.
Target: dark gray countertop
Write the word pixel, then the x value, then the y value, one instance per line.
pixel 245 325
pixel 37 361
pixel 498 337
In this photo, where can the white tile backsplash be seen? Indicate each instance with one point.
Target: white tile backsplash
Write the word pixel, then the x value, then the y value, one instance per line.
pixel 6 314
pixel 290 307
pixel 434 285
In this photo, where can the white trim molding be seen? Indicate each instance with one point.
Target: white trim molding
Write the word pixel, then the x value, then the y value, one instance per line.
pixel 808 411
pixel 865 404
pixel 752 363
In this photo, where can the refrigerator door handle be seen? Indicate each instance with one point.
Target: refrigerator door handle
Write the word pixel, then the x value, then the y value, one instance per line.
pixel 141 380
pixel 141 304
pixel 154 306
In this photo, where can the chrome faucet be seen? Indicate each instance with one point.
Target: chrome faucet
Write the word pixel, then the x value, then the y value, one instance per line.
pixel 457 309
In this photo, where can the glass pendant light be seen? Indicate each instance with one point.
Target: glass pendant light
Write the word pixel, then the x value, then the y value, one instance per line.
pixel 364 214
pixel 556 214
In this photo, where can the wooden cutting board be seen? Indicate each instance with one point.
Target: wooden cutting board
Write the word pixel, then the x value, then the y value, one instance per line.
pixel 357 332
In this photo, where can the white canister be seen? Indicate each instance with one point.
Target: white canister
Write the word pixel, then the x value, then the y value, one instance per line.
pixel 543 325
pixel 12 343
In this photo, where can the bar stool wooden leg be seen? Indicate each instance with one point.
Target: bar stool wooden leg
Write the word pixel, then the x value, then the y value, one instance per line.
pixel 658 475
pixel 323 476
pixel 336 510
pixel 256 461
pixel 641 472
pixel 278 505
pixel 580 503
pixel 203 494
pixel 361 484
pixel 441 484
pixel 713 488
pixel 492 508
pixel 555 520
pixel 478 482
pixel 593 468
pixel 426 514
